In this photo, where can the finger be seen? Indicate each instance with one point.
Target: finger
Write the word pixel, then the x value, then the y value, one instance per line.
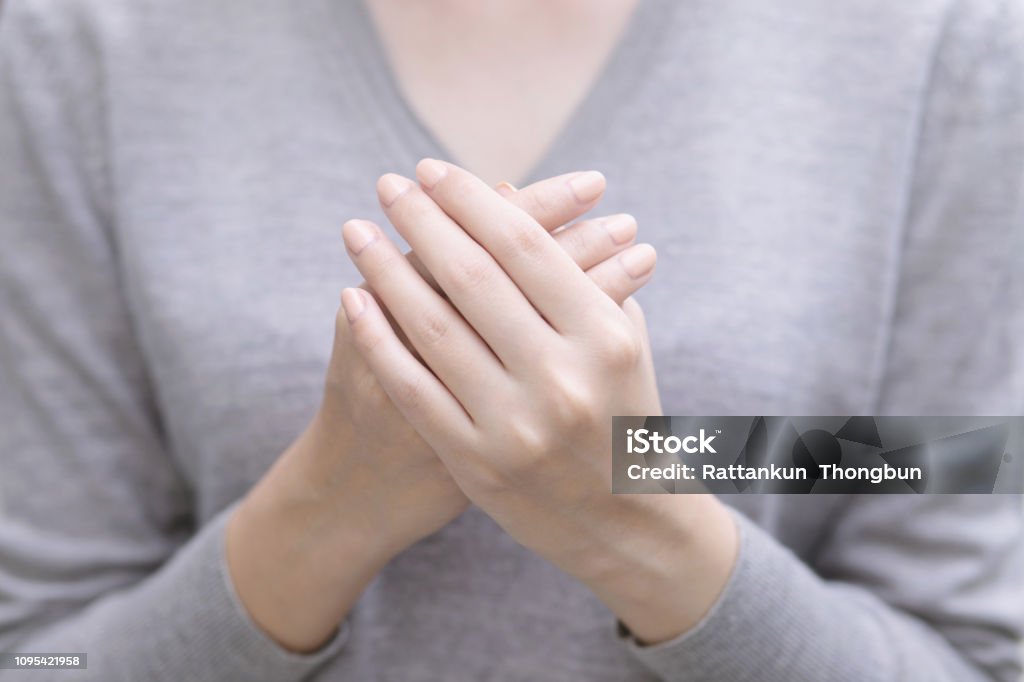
pixel 636 315
pixel 621 276
pixel 421 398
pixel 585 241
pixel 541 270
pixel 394 325
pixel 553 202
pixel 476 285
pixel 447 344
pixel 589 242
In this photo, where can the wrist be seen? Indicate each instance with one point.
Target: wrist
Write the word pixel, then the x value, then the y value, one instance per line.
pixel 318 490
pixel 668 566
pixel 296 564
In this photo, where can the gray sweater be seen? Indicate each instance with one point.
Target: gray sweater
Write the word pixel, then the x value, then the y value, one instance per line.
pixel 835 189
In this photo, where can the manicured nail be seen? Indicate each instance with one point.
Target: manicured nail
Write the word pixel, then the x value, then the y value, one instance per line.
pixel 505 189
pixel 358 234
pixel 639 260
pixel 353 302
pixel 621 227
pixel 390 187
pixel 587 186
pixel 430 172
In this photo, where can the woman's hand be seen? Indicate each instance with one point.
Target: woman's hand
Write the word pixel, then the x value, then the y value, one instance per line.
pixel 523 366
pixel 360 485
pixel 388 458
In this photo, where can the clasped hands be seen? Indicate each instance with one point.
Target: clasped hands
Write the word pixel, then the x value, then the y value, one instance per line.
pixel 511 368
pixel 484 369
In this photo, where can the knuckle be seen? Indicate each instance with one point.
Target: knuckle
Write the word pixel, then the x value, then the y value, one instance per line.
pixel 468 274
pixel 545 203
pixel 382 263
pixel 406 392
pixel 619 346
pixel 570 401
pixel 465 184
pixel 634 311
pixel 526 449
pixel 587 242
pixel 410 209
pixel 458 184
pixel 528 441
pixel 524 444
pixel 579 243
pixel 519 240
pixel 419 208
pixel 368 340
pixel 432 329
pixel 610 283
pixel 526 239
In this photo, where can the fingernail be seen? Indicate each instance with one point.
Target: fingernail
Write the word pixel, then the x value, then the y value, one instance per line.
pixel 621 227
pixel 587 186
pixel 390 187
pixel 505 189
pixel 639 260
pixel 430 172
pixel 353 303
pixel 358 234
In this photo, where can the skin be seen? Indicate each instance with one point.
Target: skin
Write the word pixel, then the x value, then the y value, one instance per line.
pixel 360 484
pixel 474 72
pixel 518 370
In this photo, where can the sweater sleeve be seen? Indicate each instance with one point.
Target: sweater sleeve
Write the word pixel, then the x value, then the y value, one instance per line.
pixel 99 550
pixel 914 588
pixel 908 589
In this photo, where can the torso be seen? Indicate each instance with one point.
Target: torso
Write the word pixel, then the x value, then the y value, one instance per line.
pixel 228 234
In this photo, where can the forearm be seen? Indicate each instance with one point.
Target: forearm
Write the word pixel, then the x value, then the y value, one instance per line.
pixel 776 621
pixel 303 545
pixel 660 562
pixel 181 622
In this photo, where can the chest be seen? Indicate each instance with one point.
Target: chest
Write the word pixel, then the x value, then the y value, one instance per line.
pixel 514 73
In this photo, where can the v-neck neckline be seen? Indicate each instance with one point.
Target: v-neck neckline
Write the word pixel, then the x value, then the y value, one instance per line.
pixel 627 64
